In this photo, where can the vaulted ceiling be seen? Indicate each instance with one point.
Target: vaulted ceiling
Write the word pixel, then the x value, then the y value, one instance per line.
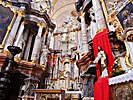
pixel 62 9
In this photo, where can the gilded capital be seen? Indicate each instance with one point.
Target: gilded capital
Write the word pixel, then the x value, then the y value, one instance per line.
pixel 46 32
pixel 41 24
pixel 21 13
pixel 24 22
pixel 43 67
pixel 16 59
pixel 35 61
pixel 82 14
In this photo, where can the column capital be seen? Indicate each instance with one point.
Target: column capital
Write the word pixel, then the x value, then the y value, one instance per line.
pixel 21 13
pixel 41 24
pixel 16 59
pixel 82 14
pixel 46 32
pixel 24 22
pixel 34 61
pixel 43 67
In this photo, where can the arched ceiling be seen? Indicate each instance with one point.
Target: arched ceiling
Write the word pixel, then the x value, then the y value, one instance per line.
pixel 62 9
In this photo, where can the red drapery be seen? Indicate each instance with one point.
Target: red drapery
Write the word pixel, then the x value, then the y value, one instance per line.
pixel 101 39
pixel 101 89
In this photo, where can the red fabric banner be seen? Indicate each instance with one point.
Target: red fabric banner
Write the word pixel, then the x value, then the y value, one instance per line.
pixel 101 39
pixel 101 89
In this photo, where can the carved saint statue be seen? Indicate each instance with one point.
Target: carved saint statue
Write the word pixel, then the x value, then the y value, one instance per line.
pixel 43 58
pixel 101 56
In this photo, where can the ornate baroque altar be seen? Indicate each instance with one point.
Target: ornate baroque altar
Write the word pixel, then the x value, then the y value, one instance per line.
pixel 121 87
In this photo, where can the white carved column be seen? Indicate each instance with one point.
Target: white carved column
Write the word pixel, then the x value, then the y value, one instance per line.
pixel 44 37
pixel 51 46
pixel 84 35
pixel 55 42
pixel 94 29
pixel 79 41
pixel 20 32
pixel 37 44
pixel 93 26
pixel 100 20
pixel 13 31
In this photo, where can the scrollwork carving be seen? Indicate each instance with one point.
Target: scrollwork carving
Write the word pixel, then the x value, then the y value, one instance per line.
pixel 118 28
pixel 124 92
pixel 127 61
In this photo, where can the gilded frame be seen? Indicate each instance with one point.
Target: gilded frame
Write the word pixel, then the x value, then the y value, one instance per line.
pixel 128 37
pixel 7 16
pixel 127 10
pixel 109 7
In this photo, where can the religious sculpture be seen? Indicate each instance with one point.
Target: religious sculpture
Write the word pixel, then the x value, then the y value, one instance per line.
pixel 103 62
pixel 43 58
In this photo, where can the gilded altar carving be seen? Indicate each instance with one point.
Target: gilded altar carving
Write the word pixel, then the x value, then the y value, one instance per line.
pixel 122 91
